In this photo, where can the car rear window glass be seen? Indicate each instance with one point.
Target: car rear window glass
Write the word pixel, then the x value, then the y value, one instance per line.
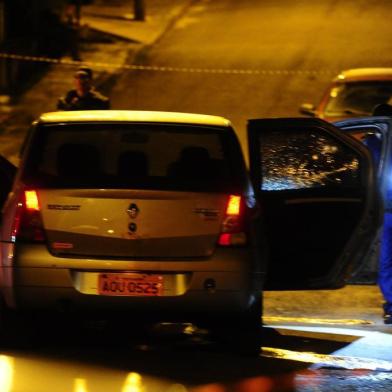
pixel 145 156
pixel 358 98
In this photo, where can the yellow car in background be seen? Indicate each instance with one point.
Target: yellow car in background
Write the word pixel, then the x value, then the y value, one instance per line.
pixel 353 93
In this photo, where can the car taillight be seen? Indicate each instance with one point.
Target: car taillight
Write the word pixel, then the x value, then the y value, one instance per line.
pixel 28 222
pixel 232 231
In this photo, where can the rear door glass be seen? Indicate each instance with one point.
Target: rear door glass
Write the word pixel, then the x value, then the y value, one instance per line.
pixel 309 161
pixel 148 156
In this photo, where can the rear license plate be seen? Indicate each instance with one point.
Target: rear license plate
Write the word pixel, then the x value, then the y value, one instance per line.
pixel 129 284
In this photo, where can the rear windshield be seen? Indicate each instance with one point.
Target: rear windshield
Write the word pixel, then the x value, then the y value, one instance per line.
pixel 142 156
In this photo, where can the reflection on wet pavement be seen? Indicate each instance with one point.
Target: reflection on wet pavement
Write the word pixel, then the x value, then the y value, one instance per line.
pixel 19 373
pixel 313 320
pixel 182 359
pixel 322 360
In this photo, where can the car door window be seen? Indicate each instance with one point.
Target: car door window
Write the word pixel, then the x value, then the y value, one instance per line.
pixel 310 160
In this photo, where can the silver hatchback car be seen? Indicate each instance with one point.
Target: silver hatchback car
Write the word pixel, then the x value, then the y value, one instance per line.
pixel 154 215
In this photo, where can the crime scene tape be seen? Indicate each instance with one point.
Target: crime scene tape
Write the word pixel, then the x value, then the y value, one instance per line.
pixel 156 68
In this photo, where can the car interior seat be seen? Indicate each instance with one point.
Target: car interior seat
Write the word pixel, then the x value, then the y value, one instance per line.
pixel 78 161
pixel 132 164
pixel 193 162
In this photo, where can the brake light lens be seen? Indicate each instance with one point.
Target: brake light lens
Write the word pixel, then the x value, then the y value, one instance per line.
pixel 233 205
pixel 232 231
pixel 28 222
pixel 32 200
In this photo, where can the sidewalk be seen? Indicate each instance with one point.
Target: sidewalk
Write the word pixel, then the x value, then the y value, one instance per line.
pixel 160 15
pixel 109 36
pixel 354 306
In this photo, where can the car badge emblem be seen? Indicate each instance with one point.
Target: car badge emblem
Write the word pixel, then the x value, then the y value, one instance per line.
pixel 132 227
pixel 133 211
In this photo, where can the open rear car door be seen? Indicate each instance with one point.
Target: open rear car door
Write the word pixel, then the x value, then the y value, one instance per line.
pixel 320 204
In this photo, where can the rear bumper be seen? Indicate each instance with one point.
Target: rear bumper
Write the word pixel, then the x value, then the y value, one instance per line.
pixel 193 302
pixel 38 280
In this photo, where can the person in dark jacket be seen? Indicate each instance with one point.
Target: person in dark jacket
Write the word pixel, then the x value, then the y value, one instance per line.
pixel 84 96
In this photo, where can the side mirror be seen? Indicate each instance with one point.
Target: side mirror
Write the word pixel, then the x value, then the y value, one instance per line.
pixel 308 109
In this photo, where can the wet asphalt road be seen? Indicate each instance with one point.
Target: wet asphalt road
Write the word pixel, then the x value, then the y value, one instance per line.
pixel 306 351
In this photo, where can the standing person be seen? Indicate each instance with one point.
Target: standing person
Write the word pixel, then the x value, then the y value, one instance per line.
pixel 385 261
pixel 84 96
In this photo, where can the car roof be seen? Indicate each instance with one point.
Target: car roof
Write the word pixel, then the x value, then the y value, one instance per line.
pixel 361 74
pixel 132 116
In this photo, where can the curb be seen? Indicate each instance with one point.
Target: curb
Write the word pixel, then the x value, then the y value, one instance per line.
pixel 163 30
pixel 174 19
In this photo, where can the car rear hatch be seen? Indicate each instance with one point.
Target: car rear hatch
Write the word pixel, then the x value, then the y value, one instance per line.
pixel 133 190
pixel 135 223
